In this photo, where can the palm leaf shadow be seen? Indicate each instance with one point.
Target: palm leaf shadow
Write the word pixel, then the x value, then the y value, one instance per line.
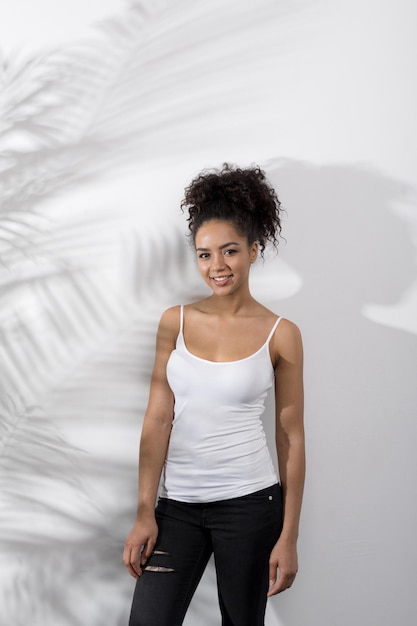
pixel 102 397
pixel 70 347
pixel 85 112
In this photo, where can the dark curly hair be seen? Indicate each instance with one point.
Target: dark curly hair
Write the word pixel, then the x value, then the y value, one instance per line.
pixel 241 196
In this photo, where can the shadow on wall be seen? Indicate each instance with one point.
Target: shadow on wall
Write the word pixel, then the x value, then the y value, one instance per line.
pixel 350 249
pixel 68 463
pixel 62 560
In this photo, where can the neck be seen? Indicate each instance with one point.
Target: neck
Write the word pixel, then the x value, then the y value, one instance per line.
pixel 230 305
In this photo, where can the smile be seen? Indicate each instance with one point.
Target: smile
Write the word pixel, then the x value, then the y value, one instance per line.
pixel 221 279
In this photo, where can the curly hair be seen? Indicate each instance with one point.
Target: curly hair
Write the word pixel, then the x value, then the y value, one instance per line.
pixel 241 196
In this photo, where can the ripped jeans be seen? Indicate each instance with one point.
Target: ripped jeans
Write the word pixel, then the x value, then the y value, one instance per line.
pixel 240 532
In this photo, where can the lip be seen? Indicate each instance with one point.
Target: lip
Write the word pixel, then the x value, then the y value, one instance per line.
pixel 220 280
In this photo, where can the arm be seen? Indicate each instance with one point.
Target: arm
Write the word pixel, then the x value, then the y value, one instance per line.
pixel 290 450
pixel 154 440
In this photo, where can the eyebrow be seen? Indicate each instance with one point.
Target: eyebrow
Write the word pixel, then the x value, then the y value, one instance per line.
pixel 225 245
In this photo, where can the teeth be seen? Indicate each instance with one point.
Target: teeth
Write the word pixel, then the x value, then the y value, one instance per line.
pixel 220 279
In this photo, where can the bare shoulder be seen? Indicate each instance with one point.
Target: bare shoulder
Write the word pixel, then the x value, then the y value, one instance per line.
pixel 171 317
pixel 288 330
pixel 169 325
pixel 287 342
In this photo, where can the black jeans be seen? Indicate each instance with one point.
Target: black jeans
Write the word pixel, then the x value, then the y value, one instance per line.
pixel 241 533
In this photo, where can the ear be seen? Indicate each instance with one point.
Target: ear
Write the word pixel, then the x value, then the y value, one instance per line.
pixel 254 251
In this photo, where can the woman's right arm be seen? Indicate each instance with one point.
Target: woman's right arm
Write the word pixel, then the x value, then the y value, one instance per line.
pixel 154 440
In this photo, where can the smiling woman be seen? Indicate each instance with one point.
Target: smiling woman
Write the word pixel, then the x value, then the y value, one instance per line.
pixel 224 256
pixel 216 360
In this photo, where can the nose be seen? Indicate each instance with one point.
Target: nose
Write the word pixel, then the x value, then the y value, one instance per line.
pixel 218 261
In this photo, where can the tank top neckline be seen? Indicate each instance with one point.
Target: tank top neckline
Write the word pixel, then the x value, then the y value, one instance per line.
pixel 245 358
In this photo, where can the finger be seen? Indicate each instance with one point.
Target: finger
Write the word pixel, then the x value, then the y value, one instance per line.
pixel 135 564
pixel 131 561
pixel 277 585
pixel 284 582
pixel 147 551
pixel 272 576
pixel 274 588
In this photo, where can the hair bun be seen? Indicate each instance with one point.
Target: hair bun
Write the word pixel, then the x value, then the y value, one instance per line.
pixel 241 196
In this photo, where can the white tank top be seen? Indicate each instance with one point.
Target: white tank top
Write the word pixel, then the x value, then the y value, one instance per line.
pixel 217 448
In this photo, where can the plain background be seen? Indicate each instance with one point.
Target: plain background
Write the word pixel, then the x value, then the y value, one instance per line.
pixel 108 109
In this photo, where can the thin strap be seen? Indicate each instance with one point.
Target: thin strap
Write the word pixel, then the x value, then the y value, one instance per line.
pixel 273 330
pixel 181 318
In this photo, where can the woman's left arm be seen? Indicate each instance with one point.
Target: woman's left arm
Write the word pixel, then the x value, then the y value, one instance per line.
pixel 289 399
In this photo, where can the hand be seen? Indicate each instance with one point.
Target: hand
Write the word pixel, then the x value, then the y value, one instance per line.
pixel 283 558
pixel 139 545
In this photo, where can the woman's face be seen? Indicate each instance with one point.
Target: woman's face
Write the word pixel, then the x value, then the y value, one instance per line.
pixel 224 256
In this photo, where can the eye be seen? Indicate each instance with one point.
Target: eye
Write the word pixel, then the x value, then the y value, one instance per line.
pixel 203 255
pixel 230 252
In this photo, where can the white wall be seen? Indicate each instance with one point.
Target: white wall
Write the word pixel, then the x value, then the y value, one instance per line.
pixel 102 127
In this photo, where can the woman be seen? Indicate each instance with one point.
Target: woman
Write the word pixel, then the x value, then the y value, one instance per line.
pixel 215 361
